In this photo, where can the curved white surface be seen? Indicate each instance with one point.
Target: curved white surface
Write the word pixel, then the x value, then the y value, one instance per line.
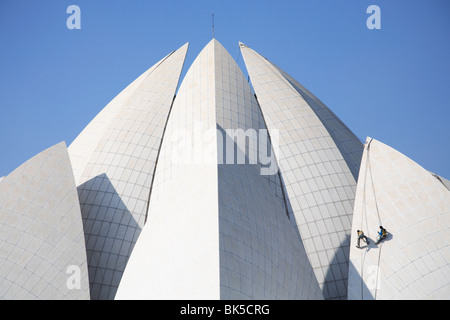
pixel 317 156
pixel 42 251
pixel 414 207
pixel 114 160
pixel 215 231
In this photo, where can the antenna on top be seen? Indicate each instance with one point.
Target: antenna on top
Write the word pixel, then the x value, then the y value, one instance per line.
pixel 212 25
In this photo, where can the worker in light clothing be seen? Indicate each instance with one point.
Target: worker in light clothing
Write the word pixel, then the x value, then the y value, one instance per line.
pixel 361 236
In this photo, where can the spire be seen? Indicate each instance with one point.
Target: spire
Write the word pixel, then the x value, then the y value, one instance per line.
pixel 212 16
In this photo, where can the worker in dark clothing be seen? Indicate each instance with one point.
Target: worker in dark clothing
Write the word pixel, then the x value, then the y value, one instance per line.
pixel 361 236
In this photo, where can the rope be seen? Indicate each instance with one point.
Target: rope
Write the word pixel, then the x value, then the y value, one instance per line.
pixel 364 213
pixel 378 270
pixel 378 215
pixel 373 187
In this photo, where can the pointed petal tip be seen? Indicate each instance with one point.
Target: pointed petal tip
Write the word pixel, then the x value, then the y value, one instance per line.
pixel 214 40
pixel 186 45
pixel 63 143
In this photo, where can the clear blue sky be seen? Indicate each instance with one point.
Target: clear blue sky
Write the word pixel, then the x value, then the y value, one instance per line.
pixel 391 84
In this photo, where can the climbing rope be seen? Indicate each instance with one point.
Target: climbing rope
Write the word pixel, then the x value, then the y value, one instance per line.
pixel 379 222
pixel 373 187
pixel 368 168
pixel 378 271
pixel 364 212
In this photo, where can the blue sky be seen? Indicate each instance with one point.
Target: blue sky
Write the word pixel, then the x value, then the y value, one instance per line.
pixel 392 84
